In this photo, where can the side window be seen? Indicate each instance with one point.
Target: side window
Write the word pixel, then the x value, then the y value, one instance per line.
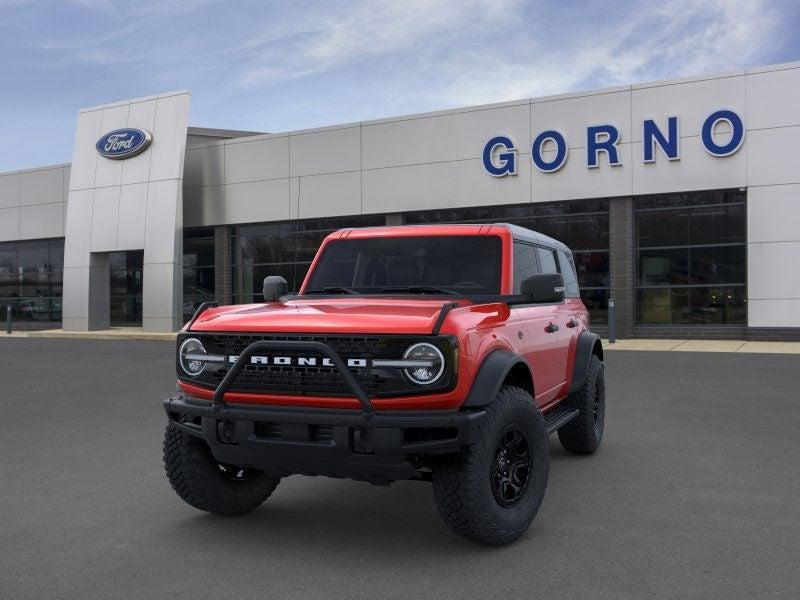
pixel 547 258
pixel 570 277
pixel 524 263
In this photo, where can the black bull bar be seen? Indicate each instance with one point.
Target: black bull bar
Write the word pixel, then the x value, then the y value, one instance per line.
pixel 367 411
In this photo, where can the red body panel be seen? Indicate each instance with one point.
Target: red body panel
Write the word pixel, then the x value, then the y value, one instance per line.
pixel 480 328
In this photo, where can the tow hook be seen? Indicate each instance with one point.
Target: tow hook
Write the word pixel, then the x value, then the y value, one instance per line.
pixel 226 430
pixel 362 440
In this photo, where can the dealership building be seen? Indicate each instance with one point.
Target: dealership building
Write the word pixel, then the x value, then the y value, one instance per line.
pixel 680 200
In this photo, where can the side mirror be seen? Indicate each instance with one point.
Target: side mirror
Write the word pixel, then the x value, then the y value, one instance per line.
pixel 275 286
pixel 545 288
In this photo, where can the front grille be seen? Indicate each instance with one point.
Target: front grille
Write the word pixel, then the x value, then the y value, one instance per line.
pixel 319 380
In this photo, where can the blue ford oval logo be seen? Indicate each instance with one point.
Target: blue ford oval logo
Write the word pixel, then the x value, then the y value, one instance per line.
pixel 123 143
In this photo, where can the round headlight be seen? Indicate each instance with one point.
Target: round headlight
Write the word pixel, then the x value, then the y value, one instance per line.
pixel 187 357
pixel 431 363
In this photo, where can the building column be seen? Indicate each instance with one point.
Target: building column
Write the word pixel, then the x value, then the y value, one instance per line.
pixel 86 303
pixel 135 204
pixel 162 276
pixel 222 264
pixel 621 264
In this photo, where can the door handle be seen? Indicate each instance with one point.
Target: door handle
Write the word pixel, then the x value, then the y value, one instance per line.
pixel 572 323
pixel 551 328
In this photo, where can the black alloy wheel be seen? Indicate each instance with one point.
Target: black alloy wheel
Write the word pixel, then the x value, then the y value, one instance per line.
pixel 511 467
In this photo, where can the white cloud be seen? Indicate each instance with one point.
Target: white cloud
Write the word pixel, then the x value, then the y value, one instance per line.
pixel 674 40
pixel 463 51
pixel 325 39
pixel 456 53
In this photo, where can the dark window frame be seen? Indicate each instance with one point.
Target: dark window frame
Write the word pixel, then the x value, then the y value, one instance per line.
pixel 729 198
pixel 527 215
pixel 292 232
pixel 45 278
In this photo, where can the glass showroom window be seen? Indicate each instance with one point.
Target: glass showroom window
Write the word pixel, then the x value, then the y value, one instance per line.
pixel 284 249
pixel 198 269
pixel 31 276
pixel 691 259
pixel 583 226
pixel 125 269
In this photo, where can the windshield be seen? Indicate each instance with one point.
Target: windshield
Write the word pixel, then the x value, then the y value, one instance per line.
pixel 468 265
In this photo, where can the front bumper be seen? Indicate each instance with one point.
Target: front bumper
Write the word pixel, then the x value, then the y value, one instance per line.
pixel 379 447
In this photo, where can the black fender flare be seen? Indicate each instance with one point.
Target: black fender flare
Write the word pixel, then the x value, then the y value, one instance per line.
pixel 490 377
pixel 588 343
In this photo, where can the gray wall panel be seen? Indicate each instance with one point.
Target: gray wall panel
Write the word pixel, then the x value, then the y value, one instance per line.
pixel 328 151
pixel 9 190
pixel 162 233
pixel 41 221
pixel 203 206
pixel 76 245
pixel 257 201
pixel 105 214
pixel 167 154
pixel 451 184
pixel 142 115
pixel 76 288
pixel 697 170
pixel 9 224
pixel 773 99
pixel 442 138
pixel 131 219
pixel 204 166
pixel 84 156
pixel 328 195
pixel 266 158
pixel 772 156
pixel 45 186
pixel 109 172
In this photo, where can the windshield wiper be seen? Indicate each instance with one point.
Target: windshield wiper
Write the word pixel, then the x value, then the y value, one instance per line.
pixel 334 289
pixel 418 289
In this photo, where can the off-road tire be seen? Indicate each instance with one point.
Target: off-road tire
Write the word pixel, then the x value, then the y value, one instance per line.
pixel 584 433
pixel 462 483
pixel 198 479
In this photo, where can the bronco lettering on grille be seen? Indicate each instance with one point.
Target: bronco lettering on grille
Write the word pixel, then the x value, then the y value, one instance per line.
pixel 300 361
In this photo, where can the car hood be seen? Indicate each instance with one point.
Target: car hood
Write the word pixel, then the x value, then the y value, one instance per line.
pixel 339 315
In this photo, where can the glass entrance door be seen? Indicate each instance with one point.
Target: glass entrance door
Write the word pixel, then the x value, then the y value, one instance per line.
pixel 126 287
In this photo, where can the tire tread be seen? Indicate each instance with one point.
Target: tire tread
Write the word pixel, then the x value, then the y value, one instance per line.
pixel 579 436
pixel 459 484
pixel 190 466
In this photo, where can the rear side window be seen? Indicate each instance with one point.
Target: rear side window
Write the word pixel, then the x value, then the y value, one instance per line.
pixel 570 277
pixel 547 258
pixel 525 263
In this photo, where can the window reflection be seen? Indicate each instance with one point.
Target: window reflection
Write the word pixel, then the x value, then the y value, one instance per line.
pixel 691 258
pixel 199 283
pixel 582 225
pixel 31 276
pixel 125 269
pixel 284 249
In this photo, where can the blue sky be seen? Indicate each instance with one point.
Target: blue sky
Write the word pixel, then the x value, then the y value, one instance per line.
pixel 276 66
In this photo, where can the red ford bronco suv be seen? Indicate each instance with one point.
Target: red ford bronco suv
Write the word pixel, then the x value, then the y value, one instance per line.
pixel 442 353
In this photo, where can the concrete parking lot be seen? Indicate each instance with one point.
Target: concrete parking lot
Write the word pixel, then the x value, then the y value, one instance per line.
pixel 694 494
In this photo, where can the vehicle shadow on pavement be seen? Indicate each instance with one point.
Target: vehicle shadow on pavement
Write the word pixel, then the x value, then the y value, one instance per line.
pixel 320 514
